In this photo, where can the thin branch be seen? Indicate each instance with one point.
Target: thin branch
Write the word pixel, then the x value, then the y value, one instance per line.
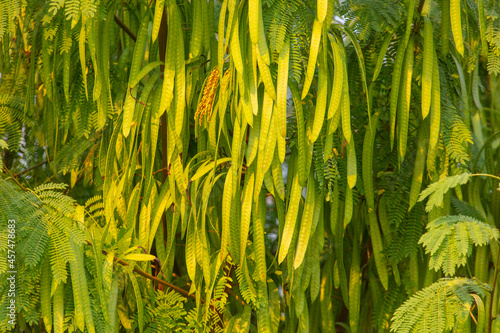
pixel 486 175
pixel 29 169
pixel 125 28
pixel 152 278
pixel 420 6
pixel 14 178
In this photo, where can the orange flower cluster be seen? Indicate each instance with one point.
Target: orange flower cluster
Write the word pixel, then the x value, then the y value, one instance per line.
pixel 205 106
pixel 225 79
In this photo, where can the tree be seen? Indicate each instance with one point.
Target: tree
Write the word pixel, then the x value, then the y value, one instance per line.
pixel 249 165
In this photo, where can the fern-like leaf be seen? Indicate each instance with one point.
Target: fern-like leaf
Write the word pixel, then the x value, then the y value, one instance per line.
pixel 449 240
pixel 437 190
pixel 436 308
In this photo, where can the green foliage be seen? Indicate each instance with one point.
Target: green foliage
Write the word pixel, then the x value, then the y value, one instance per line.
pixel 406 237
pixel 436 190
pixel 450 239
pixel 438 307
pixel 168 313
pixel 231 165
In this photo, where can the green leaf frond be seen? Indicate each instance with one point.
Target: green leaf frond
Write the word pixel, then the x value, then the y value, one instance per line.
pixel 436 308
pixel 168 312
pixel 409 231
pixel 437 190
pixel 449 240
pixel 11 119
pixel 371 17
pixel 456 136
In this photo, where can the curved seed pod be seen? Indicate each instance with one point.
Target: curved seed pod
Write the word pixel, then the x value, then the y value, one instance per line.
pixel 309 147
pixel 180 74
pixel 306 223
pixel 482 316
pixel 265 120
pixel 482 27
pixel 232 9
pixel 196 44
pixel 435 118
pixel 334 122
pixel 352 169
pixel 235 47
pixel 66 73
pixel 279 184
pixel 282 86
pixel 409 19
pixel 81 51
pixel 105 46
pixel 355 282
pixel 394 94
pixel 113 302
pixel 290 219
pixel 79 282
pixel 245 100
pixel 381 56
pixel 251 78
pixel 129 105
pixel 334 208
pixel 262 43
pixel 281 144
pixel 253 20
pixel 346 110
pixel 313 55
pixel 159 5
pixel 404 100
pixel 58 303
pixel 383 219
pixel 445 26
pixel 398 63
pixel 361 63
pixel 319 113
pixel 336 277
pixel 236 146
pixel 207 25
pixel 226 213
pixel 338 78
pixel 339 255
pixel 144 71
pixel 378 248
pixel 315 283
pixel 221 37
pixel 321 9
pixel 246 210
pixel 169 71
pixel 45 301
pixel 418 170
pixel 427 67
pixel 456 25
pixel 265 74
pixel 253 141
pixel 348 205
pixel 328 144
pixel 329 13
pixel 235 228
pixel 299 115
pixel 259 219
pixel 367 161
pixel 139 301
pixel 413 273
pixel 265 157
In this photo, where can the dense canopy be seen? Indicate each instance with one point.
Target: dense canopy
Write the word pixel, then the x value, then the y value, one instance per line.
pixel 249 166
